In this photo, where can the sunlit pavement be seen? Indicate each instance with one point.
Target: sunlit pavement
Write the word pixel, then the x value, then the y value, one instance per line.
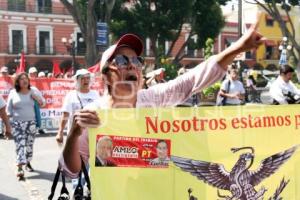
pixel 37 184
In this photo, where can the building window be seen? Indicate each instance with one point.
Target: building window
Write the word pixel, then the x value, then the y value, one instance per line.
pixel 17 41
pixel 17 38
pixel 44 43
pixel 248 55
pixel 269 22
pixel 44 6
pixel 16 5
pixel 269 52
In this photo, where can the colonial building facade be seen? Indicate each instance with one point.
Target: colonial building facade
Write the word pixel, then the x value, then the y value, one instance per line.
pixel 37 27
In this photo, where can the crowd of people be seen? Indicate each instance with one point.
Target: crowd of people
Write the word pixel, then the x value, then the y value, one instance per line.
pixel 121 67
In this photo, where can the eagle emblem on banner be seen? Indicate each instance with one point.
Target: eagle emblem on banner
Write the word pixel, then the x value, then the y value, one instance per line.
pixel 240 181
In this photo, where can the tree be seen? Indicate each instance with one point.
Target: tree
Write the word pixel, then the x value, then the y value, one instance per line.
pixel 274 8
pixel 206 22
pixel 209 45
pixel 162 20
pixel 86 13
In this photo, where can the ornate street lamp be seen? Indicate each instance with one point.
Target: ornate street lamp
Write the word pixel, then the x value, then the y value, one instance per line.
pixel 284 47
pixel 71 46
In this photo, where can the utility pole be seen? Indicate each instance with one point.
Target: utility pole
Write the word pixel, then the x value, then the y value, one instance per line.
pixel 240 19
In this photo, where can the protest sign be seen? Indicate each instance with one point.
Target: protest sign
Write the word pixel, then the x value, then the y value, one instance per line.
pixel 247 152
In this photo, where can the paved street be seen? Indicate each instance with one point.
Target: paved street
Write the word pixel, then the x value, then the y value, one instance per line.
pixel 37 184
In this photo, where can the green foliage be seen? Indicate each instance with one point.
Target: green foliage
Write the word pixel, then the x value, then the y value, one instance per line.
pixel 209 44
pixel 170 68
pixel 145 22
pixel 162 23
pixel 209 20
pixel 212 89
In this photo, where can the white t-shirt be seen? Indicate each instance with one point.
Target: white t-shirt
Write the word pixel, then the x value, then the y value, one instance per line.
pixel 235 87
pixel 279 86
pixel 71 102
pixel 2 102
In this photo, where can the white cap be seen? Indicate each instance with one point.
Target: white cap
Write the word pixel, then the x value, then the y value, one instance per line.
pixel 4 69
pixel 41 74
pixel 81 72
pixel 32 70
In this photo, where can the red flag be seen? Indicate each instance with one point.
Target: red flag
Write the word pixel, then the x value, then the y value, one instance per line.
pixel 94 68
pixel 22 66
pixel 56 70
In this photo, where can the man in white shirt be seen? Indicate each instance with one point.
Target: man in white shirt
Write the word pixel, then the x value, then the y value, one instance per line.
pixel 232 89
pixel 282 90
pixel 76 100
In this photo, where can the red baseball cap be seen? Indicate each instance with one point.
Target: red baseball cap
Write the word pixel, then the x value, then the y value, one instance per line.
pixel 128 40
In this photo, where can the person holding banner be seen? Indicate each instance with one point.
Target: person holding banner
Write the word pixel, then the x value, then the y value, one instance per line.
pixel 121 65
pixel 5 119
pixel 20 108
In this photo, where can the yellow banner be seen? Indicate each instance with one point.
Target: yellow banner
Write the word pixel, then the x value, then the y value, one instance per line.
pixel 196 153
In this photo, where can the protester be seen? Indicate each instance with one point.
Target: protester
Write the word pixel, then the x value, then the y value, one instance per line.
pixel 122 69
pixel 182 70
pixel 41 75
pixel 49 75
pixel 4 71
pixel 68 75
pixel 282 90
pixel 155 77
pixel 76 99
pixel 33 73
pixel 232 89
pixel 5 119
pixel 20 108
pixel 59 76
pixel 252 93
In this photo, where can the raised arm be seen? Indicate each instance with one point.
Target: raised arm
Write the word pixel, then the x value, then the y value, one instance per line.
pixel 250 40
pixel 205 74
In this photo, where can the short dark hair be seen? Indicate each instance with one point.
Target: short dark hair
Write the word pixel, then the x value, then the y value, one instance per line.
pixel 284 69
pixel 17 81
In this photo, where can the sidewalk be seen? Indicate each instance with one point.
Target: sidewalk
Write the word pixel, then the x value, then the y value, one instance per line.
pixel 37 184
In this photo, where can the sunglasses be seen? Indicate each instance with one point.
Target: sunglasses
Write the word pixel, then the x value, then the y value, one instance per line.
pixel 122 61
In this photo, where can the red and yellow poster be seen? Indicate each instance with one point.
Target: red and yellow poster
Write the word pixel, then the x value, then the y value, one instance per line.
pixel 246 153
